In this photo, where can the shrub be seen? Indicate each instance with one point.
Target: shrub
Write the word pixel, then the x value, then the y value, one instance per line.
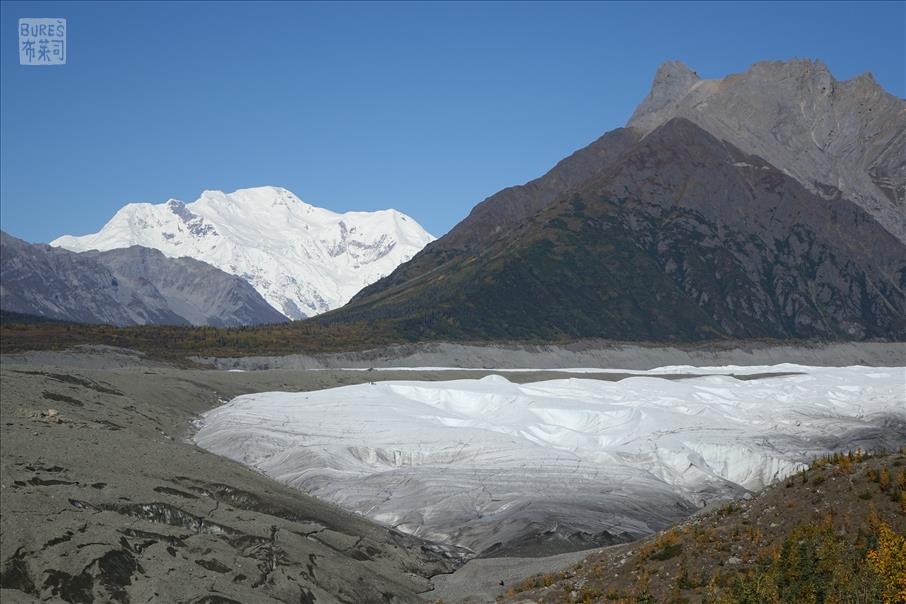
pixel 816 565
pixel 668 551
pixel 888 560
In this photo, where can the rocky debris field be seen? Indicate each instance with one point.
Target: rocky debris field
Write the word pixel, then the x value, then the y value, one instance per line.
pixel 104 498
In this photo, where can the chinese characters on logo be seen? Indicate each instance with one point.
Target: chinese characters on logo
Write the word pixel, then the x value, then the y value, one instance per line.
pixel 42 41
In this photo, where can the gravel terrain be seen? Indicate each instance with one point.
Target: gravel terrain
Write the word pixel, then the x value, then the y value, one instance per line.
pixel 584 354
pixel 104 498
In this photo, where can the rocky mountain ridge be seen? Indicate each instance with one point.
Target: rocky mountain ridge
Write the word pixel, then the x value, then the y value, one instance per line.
pixel 132 286
pixel 839 139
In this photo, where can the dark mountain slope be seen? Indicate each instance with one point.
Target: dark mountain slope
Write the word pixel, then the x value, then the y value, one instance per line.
pixel 681 237
pixel 511 206
pixel 838 139
pixel 40 280
pixel 197 291
pixel 132 286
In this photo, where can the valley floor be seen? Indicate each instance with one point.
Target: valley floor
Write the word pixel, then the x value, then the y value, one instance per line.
pixel 105 498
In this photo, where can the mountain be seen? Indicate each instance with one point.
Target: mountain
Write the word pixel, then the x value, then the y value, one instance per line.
pixel 303 260
pixel 839 139
pixel 133 286
pixel 195 290
pixel 667 230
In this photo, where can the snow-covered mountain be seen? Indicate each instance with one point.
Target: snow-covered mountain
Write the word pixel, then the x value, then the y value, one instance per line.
pixel 302 259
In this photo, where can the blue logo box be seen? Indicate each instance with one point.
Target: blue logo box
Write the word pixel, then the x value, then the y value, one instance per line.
pixel 42 41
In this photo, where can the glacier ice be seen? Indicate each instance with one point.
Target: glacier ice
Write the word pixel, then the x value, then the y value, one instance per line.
pixel 497 466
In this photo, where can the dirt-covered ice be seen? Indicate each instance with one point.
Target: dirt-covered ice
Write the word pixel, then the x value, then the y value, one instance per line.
pixel 586 353
pixel 501 467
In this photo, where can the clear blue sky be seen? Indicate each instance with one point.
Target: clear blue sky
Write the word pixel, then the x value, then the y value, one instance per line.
pixel 427 108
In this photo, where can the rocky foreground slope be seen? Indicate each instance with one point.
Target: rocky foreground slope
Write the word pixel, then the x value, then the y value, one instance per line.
pixel 833 533
pixel 104 500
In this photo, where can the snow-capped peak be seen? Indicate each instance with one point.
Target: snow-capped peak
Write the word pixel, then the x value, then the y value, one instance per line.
pixel 304 260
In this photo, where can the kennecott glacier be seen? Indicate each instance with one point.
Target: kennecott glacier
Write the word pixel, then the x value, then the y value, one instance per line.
pixel 505 468
pixel 302 259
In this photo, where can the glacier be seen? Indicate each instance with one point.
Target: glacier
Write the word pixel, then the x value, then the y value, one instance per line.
pixel 506 468
pixel 302 259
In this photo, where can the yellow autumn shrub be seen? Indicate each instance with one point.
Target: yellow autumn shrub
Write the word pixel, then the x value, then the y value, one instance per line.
pixel 889 560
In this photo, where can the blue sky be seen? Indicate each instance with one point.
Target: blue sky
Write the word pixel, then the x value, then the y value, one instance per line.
pixel 427 108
